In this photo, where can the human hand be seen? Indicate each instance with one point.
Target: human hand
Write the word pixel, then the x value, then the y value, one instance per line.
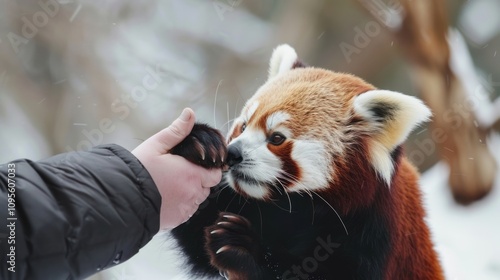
pixel 183 186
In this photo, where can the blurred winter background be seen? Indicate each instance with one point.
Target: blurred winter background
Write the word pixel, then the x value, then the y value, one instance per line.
pixel 74 74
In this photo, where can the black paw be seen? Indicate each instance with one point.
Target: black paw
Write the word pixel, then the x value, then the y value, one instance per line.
pixel 204 146
pixel 233 246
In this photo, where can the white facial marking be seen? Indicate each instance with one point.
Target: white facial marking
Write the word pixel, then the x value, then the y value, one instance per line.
pixel 259 164
pixel 251 110
pixel 314 164
pixel 276 119
pixel 254 190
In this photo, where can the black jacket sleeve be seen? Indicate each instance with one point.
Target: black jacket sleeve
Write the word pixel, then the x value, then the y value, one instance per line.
pixel 74 214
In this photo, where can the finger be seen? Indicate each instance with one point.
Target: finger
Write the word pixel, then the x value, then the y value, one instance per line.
pixel 202 196
pixel 193 210
pixel 211 178
pixel 176 132
pixel 205 192
pixel 188 213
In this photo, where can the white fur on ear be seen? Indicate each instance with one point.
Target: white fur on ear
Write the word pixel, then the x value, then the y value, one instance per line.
pixel 282 60
pixel 392 116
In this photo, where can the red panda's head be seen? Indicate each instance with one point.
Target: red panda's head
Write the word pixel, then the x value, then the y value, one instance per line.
pixel 294 134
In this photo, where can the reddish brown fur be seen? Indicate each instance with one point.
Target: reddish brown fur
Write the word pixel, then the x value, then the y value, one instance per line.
pixel 412 255
pixel 413 250
pixel 324 91
pixel 310 96
pixel 355 142
pixel 236 132
pixel 284 152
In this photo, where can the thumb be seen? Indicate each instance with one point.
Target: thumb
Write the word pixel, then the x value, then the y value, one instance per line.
pixel 176 132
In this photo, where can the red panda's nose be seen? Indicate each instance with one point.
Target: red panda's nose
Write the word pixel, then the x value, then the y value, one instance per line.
pixel 234 154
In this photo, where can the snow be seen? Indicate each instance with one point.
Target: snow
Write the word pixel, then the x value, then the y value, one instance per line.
pixel 158 260
pixel 471 21
pixel 476 89
pixel 467 238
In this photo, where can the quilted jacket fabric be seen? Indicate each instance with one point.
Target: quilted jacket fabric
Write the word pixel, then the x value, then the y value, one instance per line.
pixel 74 214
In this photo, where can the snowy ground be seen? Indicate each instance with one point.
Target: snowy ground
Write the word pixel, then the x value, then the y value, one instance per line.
pixel 467 238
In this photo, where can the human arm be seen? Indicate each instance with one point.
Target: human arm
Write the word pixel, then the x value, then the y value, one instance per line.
pixel 84 211
pixel 77 213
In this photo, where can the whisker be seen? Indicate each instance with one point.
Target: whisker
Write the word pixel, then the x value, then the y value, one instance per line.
pixel 261 222
pixel 314 210
pixel 215 102
pixel 219 192
pixel 293 179
pixel 345 228
pixel 230 201
pixel 276 187
pixel 288 196
pixel 227 123
pixel 281 208
pixel 236 107
pixel 290 178
pixel 246 200
pixel 228 120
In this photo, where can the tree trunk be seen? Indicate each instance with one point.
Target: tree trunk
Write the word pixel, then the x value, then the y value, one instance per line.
pixel 423 32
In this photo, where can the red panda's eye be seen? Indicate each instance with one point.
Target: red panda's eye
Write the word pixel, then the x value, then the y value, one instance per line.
pixel 243 127
pixel 277 138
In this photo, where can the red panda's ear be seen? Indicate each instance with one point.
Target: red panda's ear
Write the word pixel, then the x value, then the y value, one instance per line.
pixel 390 117
pixel 284 59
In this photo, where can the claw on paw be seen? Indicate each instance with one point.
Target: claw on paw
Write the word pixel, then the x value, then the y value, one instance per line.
pixel 222 249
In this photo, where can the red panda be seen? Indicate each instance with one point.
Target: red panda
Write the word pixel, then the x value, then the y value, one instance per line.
pixel 317 185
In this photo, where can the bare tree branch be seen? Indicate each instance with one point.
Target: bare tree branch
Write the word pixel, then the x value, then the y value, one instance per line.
pixel 423 35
